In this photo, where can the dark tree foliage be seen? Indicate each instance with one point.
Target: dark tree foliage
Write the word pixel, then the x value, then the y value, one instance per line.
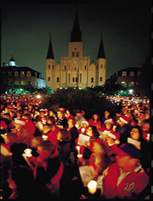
pixel 89 101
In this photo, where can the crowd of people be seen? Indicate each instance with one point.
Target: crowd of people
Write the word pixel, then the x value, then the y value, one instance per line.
pixel 59 155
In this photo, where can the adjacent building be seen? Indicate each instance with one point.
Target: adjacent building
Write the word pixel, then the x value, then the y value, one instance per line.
pixel 75 70
pixel 13 76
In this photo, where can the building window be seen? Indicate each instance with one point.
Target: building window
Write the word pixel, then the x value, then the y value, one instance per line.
pixel 23 83
pixel 80 77
pixel 131 73
pixel 16 74
pixel 35 74
pixel 9 73
pixel 58 79
pixel 101 79
pixel 124 73
pixel 73 54
pixel 131 84
pixel 92 80
pixel 16 83
pixel 73 80
pixel 123 83
pixel 85 67
pixel 22 73
pixel 77 54
pixel 53 67
pixel 48 66
pixel 28 73
pixel 48 78
pixel 139 73
pixel 64 67
pixel 74 68
pixel 76 79
pixel 101 66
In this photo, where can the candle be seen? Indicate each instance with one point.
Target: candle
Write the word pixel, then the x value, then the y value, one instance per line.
pixel 92 186
pixel 78 148
pixel 28 152
pixel 79 155
pixel 148 136
pixel 44 137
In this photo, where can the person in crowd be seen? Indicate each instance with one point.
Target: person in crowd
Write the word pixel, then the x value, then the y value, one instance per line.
pixel 123 128
pixel 50 120
pixel 107 127
pixel 23 134
pixel 125 178
pixel 84 127
pixel 29 123
pixel 22 183
pixel 79 118
pixel 61 120
pixel 63 145
pixel 95 121
pixel 141 117
pixel 105 117
pixel 48 170
pixel 68 114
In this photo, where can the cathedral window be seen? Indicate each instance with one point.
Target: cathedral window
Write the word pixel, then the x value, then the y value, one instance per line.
pixel 92 80
pixel 101 79
pixel 22 73
pixel 52 66
pixel 48 66
pixel 85 67
pixel 64 67
pixel 48 78
pixel 58 79
pixel 77 54
pixel 101 66
pixel 73 79
pixel 73 54
pixel 28 73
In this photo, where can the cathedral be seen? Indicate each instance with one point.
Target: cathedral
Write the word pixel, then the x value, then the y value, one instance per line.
pixel 75 70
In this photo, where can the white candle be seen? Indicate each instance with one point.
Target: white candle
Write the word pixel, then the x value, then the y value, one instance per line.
pixel 92 186
pixel 28 152
pixel 44 137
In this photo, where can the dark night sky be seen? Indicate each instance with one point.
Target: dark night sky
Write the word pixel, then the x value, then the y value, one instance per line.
pixel 125 27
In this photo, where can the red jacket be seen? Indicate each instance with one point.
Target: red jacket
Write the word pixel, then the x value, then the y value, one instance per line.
pixel 132 184
pixel 52 136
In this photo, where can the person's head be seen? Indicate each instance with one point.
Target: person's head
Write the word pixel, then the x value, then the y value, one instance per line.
pixel 84 124
pixel 112 138
pixel 63 135
pixel 136 133
pixel 46 128
pixel 60 114
pixel 123 120
pixel 127 157
pixel 11 138
pixel 7 115
pixel 108 124
pixel 45 149
pixel 106 114
pixel 134 122
pixel 19 123
pixel 79 114
pixel 71 122
pixel 27 116
pixel 41 113
pixel 92 131
pixel 50 120
pixel 145 126
pixel 95 117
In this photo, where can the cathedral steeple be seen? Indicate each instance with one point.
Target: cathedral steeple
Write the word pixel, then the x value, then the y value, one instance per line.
pixel 101 53
pixel 76 33
pixel 50 54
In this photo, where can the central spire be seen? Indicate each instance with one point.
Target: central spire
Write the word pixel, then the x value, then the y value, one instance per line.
pixel 50 54
pixel 76 33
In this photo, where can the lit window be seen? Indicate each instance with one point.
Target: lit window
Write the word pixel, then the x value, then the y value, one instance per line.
pixel 16 73
pixel 131 73
pixel 131 84
pixel 124 73
pixel 124 84
pixel 16 83
pixel 9 73
pixel 139 73
pixel 22 73
pixel 28 73
pixel 23 83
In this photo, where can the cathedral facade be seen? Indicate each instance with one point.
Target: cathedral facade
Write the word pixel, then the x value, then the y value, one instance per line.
pixel 75 70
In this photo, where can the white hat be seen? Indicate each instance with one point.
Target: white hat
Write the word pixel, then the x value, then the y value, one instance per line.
pixel 21 121
pixel 124 119
pixel 86 122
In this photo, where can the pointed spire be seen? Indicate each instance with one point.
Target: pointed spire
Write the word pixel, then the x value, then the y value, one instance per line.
pixel 12 58
pixel 101 53
pixel 50 54
pixel 76 33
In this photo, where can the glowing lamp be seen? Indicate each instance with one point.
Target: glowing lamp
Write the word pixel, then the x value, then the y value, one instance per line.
pixel 38 96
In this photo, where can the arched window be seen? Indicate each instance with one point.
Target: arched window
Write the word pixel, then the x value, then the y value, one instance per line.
pixel 58 79
pixel 16 73
pixel 22 73
pixel 92 80
pixel 124 84
pixel 28 73
pixel 131 84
